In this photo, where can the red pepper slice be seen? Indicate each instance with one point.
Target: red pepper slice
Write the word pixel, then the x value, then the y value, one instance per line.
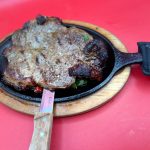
pixel 38 89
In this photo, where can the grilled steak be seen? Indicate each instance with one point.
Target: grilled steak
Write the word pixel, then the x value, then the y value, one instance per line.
pixel 46 53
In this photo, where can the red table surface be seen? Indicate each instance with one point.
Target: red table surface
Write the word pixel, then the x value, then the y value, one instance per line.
pixel 121 124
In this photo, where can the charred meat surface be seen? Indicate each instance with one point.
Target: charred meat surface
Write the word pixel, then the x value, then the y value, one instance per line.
pixel 45 53
pixel 85 71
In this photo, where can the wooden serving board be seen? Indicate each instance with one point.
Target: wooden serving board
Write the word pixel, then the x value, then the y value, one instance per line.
pixel 84 104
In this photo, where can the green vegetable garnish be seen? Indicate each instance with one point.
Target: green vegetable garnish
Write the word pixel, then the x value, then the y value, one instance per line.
pixel 85 38
pixel 74 86
pixel 79 83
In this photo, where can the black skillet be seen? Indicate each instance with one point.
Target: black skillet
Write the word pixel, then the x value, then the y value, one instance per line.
pixel 117 60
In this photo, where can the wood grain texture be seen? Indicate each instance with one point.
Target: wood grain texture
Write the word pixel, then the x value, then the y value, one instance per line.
pixel 42 131
pixel 81 105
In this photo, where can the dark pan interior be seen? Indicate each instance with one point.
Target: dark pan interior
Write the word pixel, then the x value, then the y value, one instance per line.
pixel 66 94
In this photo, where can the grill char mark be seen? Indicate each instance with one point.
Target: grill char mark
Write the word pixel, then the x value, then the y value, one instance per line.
pixel 41 20
pixel 85 71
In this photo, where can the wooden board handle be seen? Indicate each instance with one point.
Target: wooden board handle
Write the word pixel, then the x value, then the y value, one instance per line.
pixel 42 131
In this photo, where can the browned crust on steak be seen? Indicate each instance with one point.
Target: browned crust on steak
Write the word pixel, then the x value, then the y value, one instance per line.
pixel 85 71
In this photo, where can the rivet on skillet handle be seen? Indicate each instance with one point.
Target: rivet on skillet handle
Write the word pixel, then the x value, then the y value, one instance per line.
pixel 144 49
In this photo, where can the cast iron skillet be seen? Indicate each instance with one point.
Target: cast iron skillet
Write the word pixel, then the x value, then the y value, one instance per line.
pixel 117 60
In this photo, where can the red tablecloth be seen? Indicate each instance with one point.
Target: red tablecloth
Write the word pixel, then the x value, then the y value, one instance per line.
pixel 123 123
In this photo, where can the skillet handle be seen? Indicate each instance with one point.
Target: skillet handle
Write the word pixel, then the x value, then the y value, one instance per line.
pixel 142 57
pixel 123 59
pixel 144 49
